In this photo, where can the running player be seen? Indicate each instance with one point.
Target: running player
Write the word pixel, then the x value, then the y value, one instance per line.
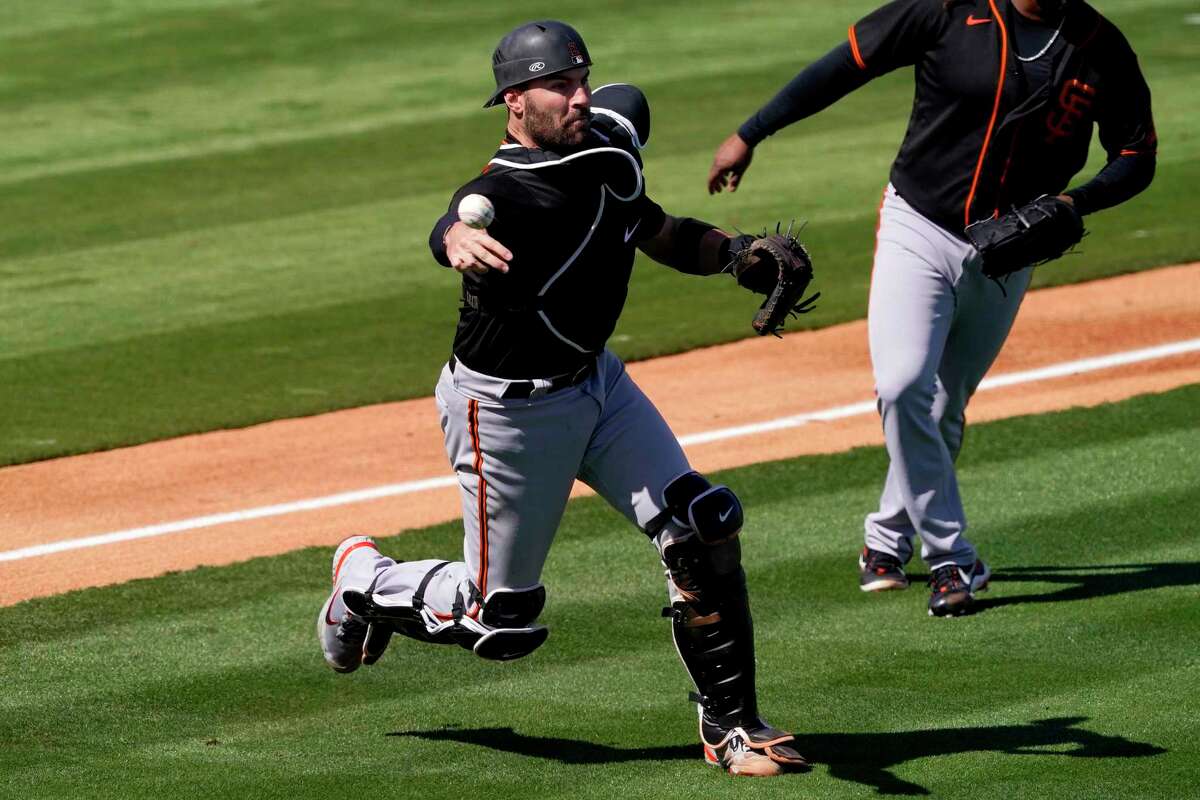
pixel 1007 93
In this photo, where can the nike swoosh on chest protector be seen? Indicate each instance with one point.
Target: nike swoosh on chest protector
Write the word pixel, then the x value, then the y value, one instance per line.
pixel 629 231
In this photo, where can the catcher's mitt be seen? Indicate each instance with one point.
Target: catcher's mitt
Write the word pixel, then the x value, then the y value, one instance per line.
pixel 778 266
pixel 1033 234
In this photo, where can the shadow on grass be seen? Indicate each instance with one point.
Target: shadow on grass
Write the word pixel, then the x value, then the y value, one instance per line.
pixel 566 751
pixel 863 758
pixel 1087 582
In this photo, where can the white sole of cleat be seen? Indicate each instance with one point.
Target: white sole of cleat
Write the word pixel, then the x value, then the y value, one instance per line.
pixel 883 586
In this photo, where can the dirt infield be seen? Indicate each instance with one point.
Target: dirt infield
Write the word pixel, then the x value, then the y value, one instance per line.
pixel 288 461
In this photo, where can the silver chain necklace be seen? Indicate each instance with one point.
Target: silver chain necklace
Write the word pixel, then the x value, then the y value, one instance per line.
pixel 1042 52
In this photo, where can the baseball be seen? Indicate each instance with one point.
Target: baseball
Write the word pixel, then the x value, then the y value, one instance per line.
pixel 476 211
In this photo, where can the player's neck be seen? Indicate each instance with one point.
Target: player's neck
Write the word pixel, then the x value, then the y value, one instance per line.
pixel 517 134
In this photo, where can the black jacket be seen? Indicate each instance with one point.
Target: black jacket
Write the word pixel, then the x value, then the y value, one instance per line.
pixel 982 138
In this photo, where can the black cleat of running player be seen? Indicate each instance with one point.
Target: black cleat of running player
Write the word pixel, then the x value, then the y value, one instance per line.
pixel 953 588
pixel 878 572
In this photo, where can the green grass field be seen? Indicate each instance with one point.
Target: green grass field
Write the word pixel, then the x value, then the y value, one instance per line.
pixel 215 214
pixel 216 210
pixel 1076 680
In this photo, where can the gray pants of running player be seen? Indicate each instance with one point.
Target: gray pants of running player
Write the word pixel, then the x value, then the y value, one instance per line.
pixel 936 325
pixel 516 462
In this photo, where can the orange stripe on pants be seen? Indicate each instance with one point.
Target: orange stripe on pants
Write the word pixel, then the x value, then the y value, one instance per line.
pixel 473 427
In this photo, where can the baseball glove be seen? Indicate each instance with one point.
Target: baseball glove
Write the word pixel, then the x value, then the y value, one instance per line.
pixel 778 266
pixel 1033 234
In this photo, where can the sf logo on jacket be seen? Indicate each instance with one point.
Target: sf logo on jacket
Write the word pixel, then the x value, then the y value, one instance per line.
pixel 1074 103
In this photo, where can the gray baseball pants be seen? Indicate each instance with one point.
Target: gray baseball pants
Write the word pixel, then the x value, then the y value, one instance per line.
pixel 516 461
pixel 936 324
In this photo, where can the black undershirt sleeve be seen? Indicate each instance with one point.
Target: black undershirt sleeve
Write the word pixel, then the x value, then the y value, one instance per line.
pixel 651 218
pixel 687 245
pixel 437 237
pixel 819 85
pixel 1121 179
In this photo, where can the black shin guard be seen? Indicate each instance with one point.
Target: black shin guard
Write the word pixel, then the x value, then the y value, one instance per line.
pixel 697 537
pixel 713 630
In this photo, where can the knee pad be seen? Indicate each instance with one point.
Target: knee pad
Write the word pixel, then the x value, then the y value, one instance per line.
pixel 698 542
pixel 513 608
pixel 504 629
pixel 714 513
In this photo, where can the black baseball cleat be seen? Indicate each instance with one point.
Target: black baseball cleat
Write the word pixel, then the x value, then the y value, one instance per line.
pixel 756 750
pixel 878 571
pixel 953 588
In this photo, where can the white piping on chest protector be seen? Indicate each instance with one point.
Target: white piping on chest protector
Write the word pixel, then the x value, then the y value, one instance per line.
pixel 563 268
pixel 591 230
pixel 587 238
pixel 637 189
pixel 546 322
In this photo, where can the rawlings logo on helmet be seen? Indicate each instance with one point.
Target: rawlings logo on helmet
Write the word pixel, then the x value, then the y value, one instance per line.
pixel 537 66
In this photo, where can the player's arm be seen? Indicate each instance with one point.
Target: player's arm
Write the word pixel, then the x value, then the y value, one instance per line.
pixel 688 245
pixel 819 85
pixel 891 36
pixel 1121 178
pixel 466 249
pixel 1128 136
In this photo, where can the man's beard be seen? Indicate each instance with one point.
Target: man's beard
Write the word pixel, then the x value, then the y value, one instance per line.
pixel 549 134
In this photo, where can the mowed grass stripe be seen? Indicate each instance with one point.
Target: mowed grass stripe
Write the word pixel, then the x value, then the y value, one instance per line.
pixel 230 222
pixel 318 63
pixel 827 164
pixel 211 678
pixel 675 92
pixel 236 372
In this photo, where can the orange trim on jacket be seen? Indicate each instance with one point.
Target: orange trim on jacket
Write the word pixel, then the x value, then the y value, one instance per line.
pixel 858 59
pixel 987 137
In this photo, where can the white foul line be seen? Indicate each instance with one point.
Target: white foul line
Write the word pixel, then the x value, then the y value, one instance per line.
pixel 1011 379
pixel 212 520
pixel 391 490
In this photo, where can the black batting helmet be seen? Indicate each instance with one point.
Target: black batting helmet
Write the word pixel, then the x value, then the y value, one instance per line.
pixel 534 50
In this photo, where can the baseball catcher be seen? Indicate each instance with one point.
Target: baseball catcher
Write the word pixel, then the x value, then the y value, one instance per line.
pixel 1033 234
pixel 778 266
pixel 531 399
